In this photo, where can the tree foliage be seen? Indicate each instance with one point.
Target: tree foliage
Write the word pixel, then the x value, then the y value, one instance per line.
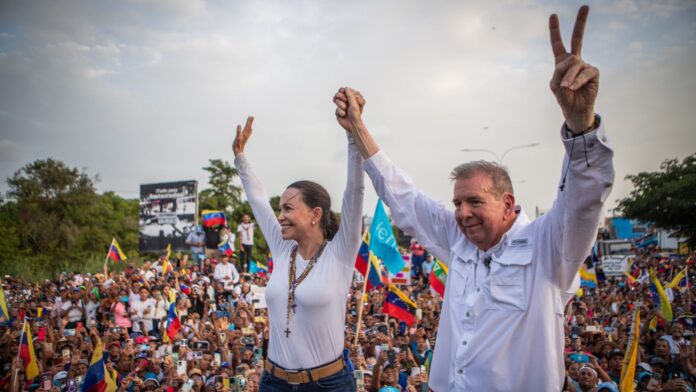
pixel 54 219
pixel 223 194
pixel 667 197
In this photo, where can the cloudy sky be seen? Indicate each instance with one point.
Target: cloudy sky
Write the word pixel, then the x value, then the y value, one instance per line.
pixel 142 91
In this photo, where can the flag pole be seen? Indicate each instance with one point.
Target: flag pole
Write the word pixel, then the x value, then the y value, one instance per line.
pixel 688 288
pixel 106 259
pixel 360 308
pixel 24 328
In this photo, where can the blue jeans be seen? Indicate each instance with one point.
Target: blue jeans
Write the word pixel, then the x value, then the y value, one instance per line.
pixel 341 381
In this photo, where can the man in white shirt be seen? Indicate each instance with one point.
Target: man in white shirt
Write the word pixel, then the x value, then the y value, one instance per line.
pixel 226 273
pixel 142 312
pixel 245 232
pixel 501 327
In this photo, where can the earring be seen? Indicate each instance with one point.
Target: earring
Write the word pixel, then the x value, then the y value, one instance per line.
pixel 314 223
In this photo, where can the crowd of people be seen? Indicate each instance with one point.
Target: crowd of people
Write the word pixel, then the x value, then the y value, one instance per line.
pixel 222 342
pixel 598 327
pixel 224 332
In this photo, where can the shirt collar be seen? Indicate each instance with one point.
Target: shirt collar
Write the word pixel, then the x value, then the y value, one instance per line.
pixel 521 221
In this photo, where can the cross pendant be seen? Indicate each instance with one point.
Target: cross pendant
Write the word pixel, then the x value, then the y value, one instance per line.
pixel 287 332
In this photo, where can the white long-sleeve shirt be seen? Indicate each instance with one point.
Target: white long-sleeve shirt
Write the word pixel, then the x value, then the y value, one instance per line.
pixel 317 327
pixel 501 327
pixel 226 273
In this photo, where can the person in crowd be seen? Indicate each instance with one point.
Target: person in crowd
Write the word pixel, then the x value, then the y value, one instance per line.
pixel 417 258
pixel 196 241
pixel 245 232
pixel 427 268
pixel 510 276
pixel 226 273
pixel 314 258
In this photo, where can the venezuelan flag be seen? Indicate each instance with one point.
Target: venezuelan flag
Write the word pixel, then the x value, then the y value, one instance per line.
pixel 173 322
pixel 225 248
pixel 378 276
pixel 258 268
pixel 4 314
pixel 630 279
pixel 26 352
pixel 588 278
pixel 98 378
pixel 679 280
pixel 212 218
pixel 660 297
pixel 363 254
pixel 270 262
pixel 400 306
pixel 115 252
pixel 167 252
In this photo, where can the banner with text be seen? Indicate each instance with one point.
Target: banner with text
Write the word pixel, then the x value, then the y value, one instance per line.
pixel 167 215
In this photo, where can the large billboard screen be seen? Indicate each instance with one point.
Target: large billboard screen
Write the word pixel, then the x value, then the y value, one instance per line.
pixel 167 214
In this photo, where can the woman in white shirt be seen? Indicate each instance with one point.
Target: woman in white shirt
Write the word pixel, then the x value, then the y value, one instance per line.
pixel 314 258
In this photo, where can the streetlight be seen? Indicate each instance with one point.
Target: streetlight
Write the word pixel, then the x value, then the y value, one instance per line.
pixel 499 158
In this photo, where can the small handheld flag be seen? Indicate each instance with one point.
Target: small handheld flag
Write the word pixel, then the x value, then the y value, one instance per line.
pixel 258 268
pixel 679 280
pixel 26 352
pixel 173 322
pixel 377 276
pixel 4 314
pixel 588 278
pixel 400 306
pixel 438 278
pixel 660 296
pixel 115 252
pixel 225 249
pixel 98 378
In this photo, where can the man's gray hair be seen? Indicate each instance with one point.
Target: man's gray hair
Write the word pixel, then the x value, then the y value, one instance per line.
pixel 497 173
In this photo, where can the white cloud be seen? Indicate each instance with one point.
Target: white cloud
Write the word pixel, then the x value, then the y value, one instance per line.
pixel 147 91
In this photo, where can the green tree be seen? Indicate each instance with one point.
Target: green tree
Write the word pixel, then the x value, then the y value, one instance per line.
pixel 666 198
pixel 223 194
pixel 53 220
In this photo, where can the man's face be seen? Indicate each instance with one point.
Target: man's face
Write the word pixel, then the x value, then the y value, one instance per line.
pixel 246 219
pixel 587 378
pixel 661 347
pixel 368 382
pixel 389 376
pixel 206 361
pixel 615 363
pixel 677 331
pixel 481 216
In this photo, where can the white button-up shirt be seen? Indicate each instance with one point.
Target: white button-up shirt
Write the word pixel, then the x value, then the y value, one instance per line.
pixel 501 326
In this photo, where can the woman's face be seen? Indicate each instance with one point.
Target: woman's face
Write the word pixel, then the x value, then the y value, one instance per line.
pixel 295 216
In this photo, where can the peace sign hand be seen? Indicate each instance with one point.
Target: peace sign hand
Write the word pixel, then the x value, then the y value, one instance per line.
pixel 574 83
pixel 242 136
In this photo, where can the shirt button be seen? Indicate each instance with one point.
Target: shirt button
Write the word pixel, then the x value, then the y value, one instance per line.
pixel 467 314
pixel 460 371
pixel 604 138
pixel 464 343
pixel 478 289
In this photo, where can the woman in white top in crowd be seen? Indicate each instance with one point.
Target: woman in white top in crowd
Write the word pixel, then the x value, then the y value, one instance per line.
pixel 314 258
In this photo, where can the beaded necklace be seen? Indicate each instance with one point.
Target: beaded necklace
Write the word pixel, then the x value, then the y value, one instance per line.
pixel 293 283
